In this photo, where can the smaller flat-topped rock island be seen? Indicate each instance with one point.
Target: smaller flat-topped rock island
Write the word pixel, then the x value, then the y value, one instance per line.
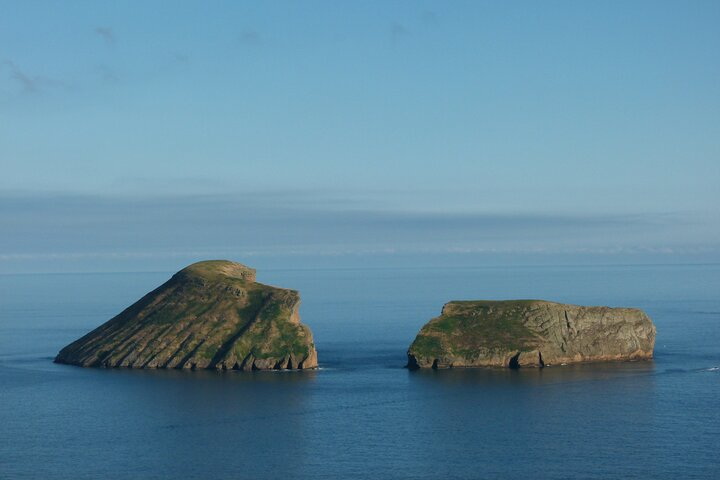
pixel 530 333
pixel 209 315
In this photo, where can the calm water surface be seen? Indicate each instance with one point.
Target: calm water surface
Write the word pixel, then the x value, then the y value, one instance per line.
pixel 362 415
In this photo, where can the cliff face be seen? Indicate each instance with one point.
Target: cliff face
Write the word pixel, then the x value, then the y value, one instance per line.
pixel 530 333
pixel 209 315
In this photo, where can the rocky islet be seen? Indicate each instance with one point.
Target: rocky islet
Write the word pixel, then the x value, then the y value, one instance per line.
pixel 530 333
pixel 214 315
pixel 210 315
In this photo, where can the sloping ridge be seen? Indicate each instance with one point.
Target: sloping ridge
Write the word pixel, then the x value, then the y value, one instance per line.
pixel 210 315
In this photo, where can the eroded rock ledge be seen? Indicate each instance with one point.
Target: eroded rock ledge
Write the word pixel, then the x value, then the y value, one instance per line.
pixel 530 333
pixel 210 315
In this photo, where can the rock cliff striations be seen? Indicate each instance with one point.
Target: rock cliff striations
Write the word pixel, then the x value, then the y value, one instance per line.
pixel 530 333
pixel 210 315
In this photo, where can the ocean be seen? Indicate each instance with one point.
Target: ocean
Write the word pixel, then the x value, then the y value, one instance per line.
pixel 362 415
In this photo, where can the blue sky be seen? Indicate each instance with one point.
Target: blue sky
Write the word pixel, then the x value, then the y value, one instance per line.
pixel 149 134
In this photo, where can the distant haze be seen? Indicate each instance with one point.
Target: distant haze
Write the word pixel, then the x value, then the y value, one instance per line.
pixel 142 135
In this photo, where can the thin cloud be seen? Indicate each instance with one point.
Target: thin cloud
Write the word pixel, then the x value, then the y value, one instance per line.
pixel 181 57
pixel 429 18
pixel 241 253
pixel 398 31
pixel 28 83
pixel 107 34
pixel 107 74
pixel 250 37
pixel 66 223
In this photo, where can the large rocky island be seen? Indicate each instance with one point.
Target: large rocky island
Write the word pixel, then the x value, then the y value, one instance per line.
pixel 530 333
pixel 210 315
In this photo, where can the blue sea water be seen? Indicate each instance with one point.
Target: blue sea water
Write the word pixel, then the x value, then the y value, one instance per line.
pixel 362 415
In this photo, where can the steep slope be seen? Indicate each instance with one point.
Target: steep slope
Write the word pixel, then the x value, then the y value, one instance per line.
pixel 210 315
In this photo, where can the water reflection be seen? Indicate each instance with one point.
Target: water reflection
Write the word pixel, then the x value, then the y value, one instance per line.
pixel 191 418
pixel 486 410
pixel 536 376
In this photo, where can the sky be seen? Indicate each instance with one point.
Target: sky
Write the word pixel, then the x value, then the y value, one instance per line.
pixel 145 135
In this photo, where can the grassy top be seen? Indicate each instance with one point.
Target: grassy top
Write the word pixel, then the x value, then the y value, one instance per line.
pixel 464 327
pixel 215 269
pixel 494 303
